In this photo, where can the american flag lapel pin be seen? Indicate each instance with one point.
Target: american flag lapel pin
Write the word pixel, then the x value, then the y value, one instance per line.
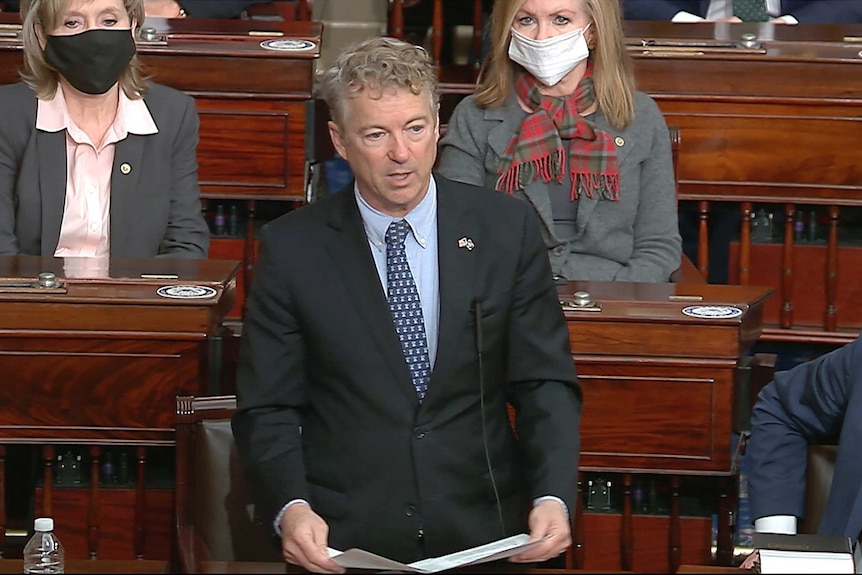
pixel 466 243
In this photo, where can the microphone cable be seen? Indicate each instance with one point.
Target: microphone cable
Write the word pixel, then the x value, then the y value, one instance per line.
pixel 477 312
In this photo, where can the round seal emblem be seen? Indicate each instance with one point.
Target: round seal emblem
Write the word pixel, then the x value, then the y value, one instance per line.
pixel 288 45
pixel 712 311
pixel 186 292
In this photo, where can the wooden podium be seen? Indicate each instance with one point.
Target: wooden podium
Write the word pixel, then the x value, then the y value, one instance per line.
pixel 658 366
pixel 94 357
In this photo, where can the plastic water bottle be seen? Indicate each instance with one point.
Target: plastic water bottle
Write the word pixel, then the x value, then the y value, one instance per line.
pixel 44 552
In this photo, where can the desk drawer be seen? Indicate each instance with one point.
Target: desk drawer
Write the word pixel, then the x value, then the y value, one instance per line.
pixel 656 414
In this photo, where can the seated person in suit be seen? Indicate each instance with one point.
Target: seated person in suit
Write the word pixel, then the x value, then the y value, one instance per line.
pixel 556 121
pixel 777 11
pixel 388 327
pixel 817 402
pixel 198 8
pixel 95 161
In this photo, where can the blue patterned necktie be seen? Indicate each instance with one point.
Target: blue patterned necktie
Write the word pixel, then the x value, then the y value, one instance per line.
pixel 750 10
pixel 406 308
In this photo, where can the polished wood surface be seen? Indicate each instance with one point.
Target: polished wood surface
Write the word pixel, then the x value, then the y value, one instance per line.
pixel 642 359
pixel 110 352
pixel 94 566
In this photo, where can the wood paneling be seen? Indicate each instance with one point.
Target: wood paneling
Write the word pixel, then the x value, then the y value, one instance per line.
pixel 117 522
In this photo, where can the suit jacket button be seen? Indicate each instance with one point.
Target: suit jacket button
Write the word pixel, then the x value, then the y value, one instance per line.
pixel 409 510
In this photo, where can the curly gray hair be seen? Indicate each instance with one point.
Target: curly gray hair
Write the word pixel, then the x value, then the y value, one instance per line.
pixel 378 64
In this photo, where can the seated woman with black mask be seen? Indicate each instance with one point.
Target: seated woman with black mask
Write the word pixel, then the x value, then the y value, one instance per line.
pixel 95 161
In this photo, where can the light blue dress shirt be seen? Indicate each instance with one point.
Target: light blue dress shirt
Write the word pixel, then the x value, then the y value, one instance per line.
pixel 421 248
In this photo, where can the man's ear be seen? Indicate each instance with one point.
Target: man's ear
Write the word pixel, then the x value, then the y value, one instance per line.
pixel 337 139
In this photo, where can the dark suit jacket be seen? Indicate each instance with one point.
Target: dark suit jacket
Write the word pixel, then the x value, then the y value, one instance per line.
pixel 155 208
pixel 217 8
pixel 806 11
pixel 815 402
pixel 319 351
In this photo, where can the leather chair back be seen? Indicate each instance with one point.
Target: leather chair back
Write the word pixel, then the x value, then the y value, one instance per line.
pixel 216 517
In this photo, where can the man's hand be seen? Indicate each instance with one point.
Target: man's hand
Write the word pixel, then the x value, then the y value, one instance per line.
pixel 752 561
pixel 304 536
pixel 162 9
pixel 547 521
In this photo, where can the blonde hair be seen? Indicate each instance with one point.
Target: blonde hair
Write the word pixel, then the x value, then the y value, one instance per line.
pixel 613 72
pixel 377 64
pixel 48 14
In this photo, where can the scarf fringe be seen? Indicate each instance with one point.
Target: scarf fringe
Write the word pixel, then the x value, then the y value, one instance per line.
pixel 607 186
pixel 548 167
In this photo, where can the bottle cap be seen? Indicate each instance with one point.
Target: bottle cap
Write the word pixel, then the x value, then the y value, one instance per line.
pixel 44 524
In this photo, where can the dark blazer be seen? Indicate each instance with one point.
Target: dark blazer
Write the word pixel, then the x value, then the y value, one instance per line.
pixel 155 208
pixel 217 8
pixel 806 11
pixel 815 402
pixel 319 351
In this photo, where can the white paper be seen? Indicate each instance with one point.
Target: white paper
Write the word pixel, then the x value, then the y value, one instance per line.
pixel 359 559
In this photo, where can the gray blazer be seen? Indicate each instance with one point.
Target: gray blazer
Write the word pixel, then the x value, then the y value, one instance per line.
pixel 155 208
pixel 634 239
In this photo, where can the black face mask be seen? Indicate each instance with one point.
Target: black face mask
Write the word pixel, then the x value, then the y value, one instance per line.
pixel 91 61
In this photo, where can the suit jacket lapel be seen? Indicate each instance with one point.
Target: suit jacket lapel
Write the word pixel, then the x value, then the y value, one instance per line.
pixel 457 264
pixel 52 186
pixel 124 185
pixel 351 255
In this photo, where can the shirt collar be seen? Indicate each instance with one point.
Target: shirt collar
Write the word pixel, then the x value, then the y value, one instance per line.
pixel 133 116
pixel 422 219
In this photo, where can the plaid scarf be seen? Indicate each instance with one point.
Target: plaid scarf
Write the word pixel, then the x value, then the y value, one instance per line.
pixel 536 150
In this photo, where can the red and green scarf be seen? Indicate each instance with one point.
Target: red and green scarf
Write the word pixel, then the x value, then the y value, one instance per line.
pixel 537 150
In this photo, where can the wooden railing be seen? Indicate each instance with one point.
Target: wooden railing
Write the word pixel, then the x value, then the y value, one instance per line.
pixel 815 275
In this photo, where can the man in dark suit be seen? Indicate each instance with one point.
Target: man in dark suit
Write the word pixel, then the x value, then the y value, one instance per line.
pixel 351 444
pixel 816 402
pixel 786 11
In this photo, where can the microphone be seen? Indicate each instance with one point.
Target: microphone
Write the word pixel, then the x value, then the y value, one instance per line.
pixel 477 316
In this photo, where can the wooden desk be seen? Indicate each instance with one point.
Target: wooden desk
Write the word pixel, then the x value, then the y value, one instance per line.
pixel 778 124
pixel 647 369
pixel 95 566
pixel 98 361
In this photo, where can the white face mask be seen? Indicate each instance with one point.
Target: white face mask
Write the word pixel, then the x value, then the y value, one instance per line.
pixel 549 60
